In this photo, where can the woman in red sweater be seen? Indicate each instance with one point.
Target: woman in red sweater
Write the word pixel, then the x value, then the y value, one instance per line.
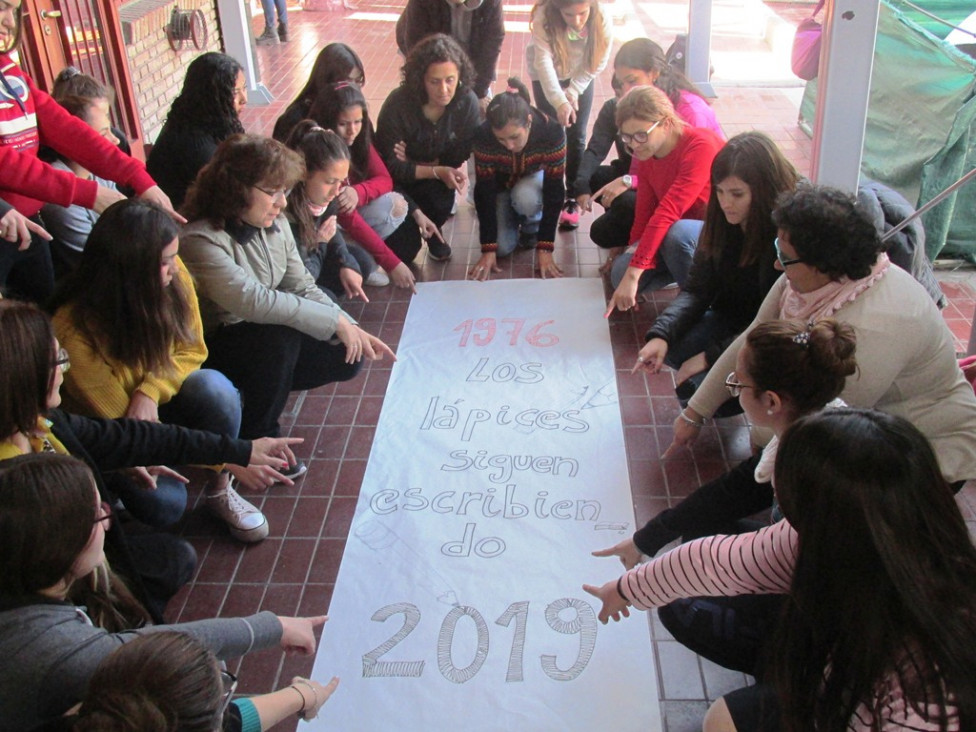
pixel 28 116
pixel 675 161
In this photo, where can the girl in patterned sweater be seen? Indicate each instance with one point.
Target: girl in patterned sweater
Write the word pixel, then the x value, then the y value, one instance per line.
pixel 520 158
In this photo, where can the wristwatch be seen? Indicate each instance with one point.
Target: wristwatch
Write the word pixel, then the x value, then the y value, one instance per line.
pixel 628 181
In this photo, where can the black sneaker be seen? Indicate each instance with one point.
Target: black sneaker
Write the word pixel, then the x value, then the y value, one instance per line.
pixel 295 471
pixel 282 32
pixel 528 240
pixel 569 217
pixel 438 250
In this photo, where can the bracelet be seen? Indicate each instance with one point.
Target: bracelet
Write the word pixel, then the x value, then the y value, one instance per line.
pixel 689 420
pixel 304 701
pixel 620 590
pixel 315 695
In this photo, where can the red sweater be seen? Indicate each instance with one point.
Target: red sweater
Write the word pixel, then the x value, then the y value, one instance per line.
pixel 31 119
pixel 377 181
pixel 674 187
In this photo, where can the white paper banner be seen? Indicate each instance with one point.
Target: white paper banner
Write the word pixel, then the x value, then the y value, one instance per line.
pixel 498 465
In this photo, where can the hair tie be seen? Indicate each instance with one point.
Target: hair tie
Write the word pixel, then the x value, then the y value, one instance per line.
pixel 341 84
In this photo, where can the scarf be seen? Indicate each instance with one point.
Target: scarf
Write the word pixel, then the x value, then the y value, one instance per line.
pixel 827 300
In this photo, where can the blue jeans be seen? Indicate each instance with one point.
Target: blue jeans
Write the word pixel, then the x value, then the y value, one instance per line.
pixel 208 401
pixel 378 213
pixel 268 6
pixel 519 207
pixel 673 258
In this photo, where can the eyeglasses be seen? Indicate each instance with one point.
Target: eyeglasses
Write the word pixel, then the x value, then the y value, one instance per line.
pixel 735 386
pixel 104 515
pixel 229 682
pixel 62 361
pixel 639 137
pixel 274 195
pixel 779 256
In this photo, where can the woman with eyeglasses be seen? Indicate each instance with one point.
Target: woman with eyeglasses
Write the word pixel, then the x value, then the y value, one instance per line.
pixel 834 266
pixel 268 327
pixel 880 571
pixel 674 162
pixel 733 267
pixel 52 536
pixel 785 370
pixel 32 368
pixel 205 113
pixel 171 676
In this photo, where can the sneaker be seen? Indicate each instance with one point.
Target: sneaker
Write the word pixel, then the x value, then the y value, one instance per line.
pixel 268 38
pixel 245 522
pixel 295 471
pixel 528 239
pixel 283 32
pixel 377 278
pixel 569 217
pixel 438 250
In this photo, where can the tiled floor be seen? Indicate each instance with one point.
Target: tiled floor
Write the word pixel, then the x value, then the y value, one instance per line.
pixel 293 571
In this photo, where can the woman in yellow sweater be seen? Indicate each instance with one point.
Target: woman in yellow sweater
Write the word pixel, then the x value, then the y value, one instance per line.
pixel 130 322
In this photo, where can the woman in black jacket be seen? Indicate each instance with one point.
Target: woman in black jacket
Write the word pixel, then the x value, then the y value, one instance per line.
pixel 733 266
pixel 476 24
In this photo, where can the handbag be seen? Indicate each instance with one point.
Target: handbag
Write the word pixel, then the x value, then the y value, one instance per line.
pixel 805 56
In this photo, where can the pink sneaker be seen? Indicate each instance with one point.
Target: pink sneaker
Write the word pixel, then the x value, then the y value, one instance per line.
pixel 569 216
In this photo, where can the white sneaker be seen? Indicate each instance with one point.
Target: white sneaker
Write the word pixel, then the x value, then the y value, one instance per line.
pixel 377 278
pixel 245 522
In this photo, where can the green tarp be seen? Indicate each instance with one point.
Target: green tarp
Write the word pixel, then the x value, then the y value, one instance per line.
pixel 921 127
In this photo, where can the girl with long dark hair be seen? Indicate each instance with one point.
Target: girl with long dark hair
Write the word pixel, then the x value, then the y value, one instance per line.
pixel 130 322
pixel 205 113
pixel 733 267
pixel 336 62
pixel 881 573
pixel 369 190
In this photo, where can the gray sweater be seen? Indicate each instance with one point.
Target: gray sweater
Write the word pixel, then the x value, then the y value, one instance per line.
pixel 50 650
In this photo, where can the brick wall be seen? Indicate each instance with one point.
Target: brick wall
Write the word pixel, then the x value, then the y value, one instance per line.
pixel 157 70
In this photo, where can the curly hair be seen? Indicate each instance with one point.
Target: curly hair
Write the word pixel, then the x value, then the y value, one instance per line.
pixel 207 97
pixel 647 56
pixel 222 189
pixel 828 231
pixel 555 29
pixel 754 159
pixel 320 148
pixel 116 298
pixel 807 365
pixel 434 49
pixel 333 101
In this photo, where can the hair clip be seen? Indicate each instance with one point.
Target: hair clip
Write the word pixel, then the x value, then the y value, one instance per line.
pixel 802 339
pixel 341 84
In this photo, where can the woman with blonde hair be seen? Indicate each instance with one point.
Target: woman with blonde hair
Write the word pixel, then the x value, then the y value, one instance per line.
pixel 675 161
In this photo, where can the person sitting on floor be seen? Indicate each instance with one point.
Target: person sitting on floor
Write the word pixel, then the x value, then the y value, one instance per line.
pixel 881 575
pixel 172 677
pixel 267 325
pixel 52 534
